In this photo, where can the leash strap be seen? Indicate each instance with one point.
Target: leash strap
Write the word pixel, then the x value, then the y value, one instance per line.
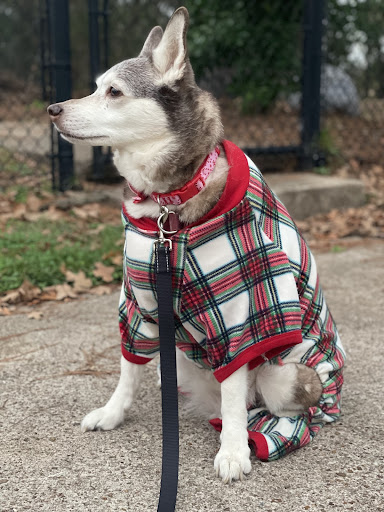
pixel 169 394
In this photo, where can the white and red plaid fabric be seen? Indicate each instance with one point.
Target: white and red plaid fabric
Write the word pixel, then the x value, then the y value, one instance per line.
pixel 246 291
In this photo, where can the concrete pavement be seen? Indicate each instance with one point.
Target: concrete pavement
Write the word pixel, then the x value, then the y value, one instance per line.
pixel 307 193
pixel 56 369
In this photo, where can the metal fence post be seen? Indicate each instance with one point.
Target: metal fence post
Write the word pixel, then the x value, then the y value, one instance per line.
pixel 61 78
pixel 99 158
pixel 311 80
pixel 94 56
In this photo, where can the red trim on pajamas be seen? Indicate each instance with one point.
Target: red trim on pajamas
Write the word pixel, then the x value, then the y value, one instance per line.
pixel 256 440
pixel 253 355
pixel 133 358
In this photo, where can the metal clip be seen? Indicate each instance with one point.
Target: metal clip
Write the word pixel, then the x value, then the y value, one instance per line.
pixel 162 219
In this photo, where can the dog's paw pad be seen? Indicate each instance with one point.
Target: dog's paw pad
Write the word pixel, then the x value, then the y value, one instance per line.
pixel 232 465
pixel 102 419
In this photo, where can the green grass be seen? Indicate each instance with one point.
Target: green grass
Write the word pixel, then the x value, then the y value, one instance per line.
pixel 36 251
pixel 11 164
pixel 337 249
pixel 21 194
pixel 323 170
pixel 326 143
pixel 37 105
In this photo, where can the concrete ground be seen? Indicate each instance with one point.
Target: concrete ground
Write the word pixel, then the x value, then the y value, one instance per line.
pixel 56 369
pixel 307 193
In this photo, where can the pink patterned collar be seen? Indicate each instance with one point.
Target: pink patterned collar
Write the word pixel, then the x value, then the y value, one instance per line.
pixel 189 190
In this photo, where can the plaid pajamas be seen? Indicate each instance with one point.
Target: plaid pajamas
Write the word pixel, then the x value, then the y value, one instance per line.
pixel 246 291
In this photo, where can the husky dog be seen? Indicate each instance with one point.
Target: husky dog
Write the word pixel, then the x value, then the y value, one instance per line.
pixel 257 350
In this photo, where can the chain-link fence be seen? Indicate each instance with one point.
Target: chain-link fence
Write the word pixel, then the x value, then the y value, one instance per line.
pixel 353 82
pixel 253 56
pixel 24 131
pixel 248 54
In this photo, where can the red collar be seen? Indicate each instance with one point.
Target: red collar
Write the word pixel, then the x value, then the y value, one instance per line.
pixel 189 190
pixel 234 191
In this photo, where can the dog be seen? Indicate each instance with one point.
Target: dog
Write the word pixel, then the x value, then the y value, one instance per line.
pixel 258 352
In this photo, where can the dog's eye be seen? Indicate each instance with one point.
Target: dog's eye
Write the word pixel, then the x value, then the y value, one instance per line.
pixel 115 92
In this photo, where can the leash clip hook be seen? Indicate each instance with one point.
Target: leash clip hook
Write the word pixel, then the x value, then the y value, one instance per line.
pixel 162 219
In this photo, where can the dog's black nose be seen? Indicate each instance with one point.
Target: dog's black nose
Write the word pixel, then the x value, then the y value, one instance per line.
pixel 54 110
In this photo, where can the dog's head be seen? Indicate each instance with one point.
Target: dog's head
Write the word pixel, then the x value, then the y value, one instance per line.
pixel 137 99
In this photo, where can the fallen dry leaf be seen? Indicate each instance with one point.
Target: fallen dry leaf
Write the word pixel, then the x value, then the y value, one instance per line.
pixel 97 230
pixel 35 315
pixel 81 213
pixel 19 211
pixel 33 203
pixel 118 259
pixel 64 291
pixel 87 211
pixel 81 283
pixel 11 297
pixel 5 206
pixel 46 194
pixel 93 210
pixel 32 216
pixel 26 292
pixel 104 272
pixel 4 311
pixel 53 214
pixel 29 291
pixel 101 290
pixel 48 293
pixel 115 256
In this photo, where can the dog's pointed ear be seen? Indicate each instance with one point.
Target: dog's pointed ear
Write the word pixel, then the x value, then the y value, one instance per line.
pixel 152 41
pixel 169 57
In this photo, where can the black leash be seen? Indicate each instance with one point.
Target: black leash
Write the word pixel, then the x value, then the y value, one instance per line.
pixel 169 393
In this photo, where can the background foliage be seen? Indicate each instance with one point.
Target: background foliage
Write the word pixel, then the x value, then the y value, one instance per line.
pixel 251 49
pixel 355 41
pixel 259 47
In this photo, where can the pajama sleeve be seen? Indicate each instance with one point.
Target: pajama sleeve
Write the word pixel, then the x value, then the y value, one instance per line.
pixel 272 437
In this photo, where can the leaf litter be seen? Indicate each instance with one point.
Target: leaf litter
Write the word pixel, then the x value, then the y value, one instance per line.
pixel 85 218
pixel 335 230
pixel 351 226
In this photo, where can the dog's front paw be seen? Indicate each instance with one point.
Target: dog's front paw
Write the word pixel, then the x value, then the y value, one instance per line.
pixel 105 418
pixel 232 464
